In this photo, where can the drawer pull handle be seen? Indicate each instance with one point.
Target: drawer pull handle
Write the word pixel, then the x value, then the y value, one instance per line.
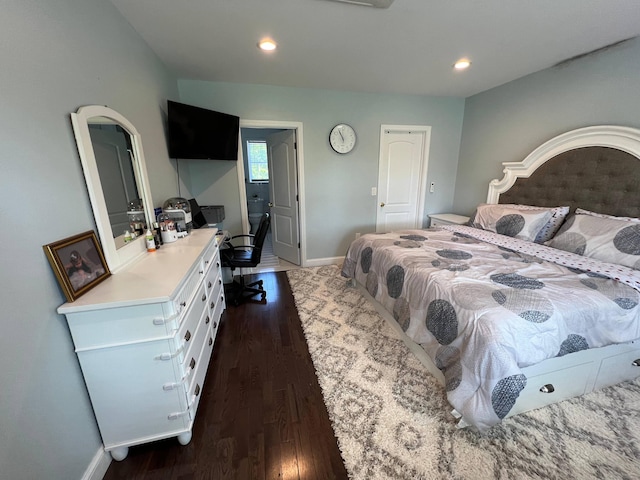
pixel 204 297
pixel 218 264
pixel 192 363
pixel 206 262
pixel 169 356
pixel 171 386
pixel 187 336
pixel 210 341
pixel 201 272
pixel 209 285
pixel 176 415
pixel 213 304
pixel 215 324
pixel 548 388
pixel 183 304
pixel 207 320
pixel 636 362
pixel 219 281
pixel 197 391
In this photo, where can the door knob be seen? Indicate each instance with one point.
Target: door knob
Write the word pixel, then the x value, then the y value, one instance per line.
pixel 270 204
pixel 382 204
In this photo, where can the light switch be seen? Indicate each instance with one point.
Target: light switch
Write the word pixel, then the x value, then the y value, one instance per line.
pixel 374 191
pixel 432 187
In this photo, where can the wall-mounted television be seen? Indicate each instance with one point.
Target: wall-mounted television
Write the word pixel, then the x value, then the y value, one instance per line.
pixel 199 133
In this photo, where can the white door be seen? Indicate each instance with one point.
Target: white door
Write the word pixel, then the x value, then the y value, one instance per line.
pixel 402 177
pixel 283 188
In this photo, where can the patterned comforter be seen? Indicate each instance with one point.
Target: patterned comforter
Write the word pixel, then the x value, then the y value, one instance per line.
pixel 483 306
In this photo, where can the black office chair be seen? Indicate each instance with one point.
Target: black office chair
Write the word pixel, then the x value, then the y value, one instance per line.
pixel 245 256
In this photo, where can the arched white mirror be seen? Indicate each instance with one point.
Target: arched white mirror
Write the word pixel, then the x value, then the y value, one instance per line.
pixel 114 168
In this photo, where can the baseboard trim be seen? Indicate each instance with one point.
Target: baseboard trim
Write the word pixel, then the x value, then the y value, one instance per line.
pixel 319 262
pixel 98 467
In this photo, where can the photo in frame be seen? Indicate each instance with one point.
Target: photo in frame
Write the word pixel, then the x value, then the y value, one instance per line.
pixel 78 263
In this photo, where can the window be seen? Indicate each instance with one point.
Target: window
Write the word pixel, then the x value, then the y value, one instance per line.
pixel 258 163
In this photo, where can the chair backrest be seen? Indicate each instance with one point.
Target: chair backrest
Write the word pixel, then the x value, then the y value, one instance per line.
pixel 260 235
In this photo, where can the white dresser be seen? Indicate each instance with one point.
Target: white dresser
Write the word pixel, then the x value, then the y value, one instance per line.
pixel 144 338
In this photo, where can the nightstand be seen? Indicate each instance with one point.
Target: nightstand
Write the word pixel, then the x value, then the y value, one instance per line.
pixel 447 219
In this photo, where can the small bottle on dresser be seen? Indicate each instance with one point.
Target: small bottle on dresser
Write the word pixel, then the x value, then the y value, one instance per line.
pixel 151 244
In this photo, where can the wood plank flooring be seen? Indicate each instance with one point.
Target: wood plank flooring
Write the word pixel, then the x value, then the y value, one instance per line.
pixel 262 415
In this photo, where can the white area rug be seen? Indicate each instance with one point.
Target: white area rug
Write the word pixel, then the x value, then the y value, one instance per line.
pixel 392 421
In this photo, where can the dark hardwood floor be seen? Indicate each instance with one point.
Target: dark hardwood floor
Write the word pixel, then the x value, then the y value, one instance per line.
pixel 261 416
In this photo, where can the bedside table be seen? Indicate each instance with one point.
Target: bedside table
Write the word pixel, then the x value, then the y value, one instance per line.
pixel 447 219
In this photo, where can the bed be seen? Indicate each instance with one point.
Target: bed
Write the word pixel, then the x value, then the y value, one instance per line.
pixel 537 300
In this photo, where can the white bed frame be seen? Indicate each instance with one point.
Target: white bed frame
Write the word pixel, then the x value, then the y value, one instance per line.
pixel 577 373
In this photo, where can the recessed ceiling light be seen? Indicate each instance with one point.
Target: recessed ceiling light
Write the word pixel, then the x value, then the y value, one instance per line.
pixel 267 45
pixel 462 64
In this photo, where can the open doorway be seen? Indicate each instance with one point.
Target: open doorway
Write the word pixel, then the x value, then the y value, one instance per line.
pixel 270 180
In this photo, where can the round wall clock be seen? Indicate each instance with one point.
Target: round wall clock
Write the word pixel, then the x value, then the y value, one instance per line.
pixel 342 138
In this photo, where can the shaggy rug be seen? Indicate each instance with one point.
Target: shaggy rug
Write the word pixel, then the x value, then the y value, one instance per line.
pixel 392 420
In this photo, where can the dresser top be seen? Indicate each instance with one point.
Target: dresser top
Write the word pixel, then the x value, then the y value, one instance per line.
pixel 155 277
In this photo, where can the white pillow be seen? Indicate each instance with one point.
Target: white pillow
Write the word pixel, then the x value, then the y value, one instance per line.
pixel 605 238
pixel 512 222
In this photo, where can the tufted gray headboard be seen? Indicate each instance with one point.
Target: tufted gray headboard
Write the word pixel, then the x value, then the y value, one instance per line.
pixel 600 179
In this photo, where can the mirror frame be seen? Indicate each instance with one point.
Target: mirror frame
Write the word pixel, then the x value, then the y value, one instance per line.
pixel 116 258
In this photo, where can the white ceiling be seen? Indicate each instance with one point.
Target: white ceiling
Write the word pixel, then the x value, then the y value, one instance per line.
pixel 407 48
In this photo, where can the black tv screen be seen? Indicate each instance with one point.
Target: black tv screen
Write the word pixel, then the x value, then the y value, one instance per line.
pixel 199 133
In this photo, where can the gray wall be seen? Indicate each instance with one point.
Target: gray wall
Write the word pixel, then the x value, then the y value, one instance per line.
pixel 338 187
pixel 57 56
pixel 506 123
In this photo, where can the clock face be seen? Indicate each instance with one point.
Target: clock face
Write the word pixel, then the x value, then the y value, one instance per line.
pixel 342 138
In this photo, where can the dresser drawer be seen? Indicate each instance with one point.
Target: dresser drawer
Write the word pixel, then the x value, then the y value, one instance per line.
pixel 185 337
pixel 213 280
pixel 186 293
pixel 122 325
pixel 564 383
pixel 619 368
pixel 195 390
pixel 210 258
pixel 194 347
pixel 215 296
pixel 217 314
pixel 126 389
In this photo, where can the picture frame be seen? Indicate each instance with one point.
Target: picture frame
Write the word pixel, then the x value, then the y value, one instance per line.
pixel 78 263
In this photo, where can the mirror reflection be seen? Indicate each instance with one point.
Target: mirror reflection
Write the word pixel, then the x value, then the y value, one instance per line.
pixel 113 151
